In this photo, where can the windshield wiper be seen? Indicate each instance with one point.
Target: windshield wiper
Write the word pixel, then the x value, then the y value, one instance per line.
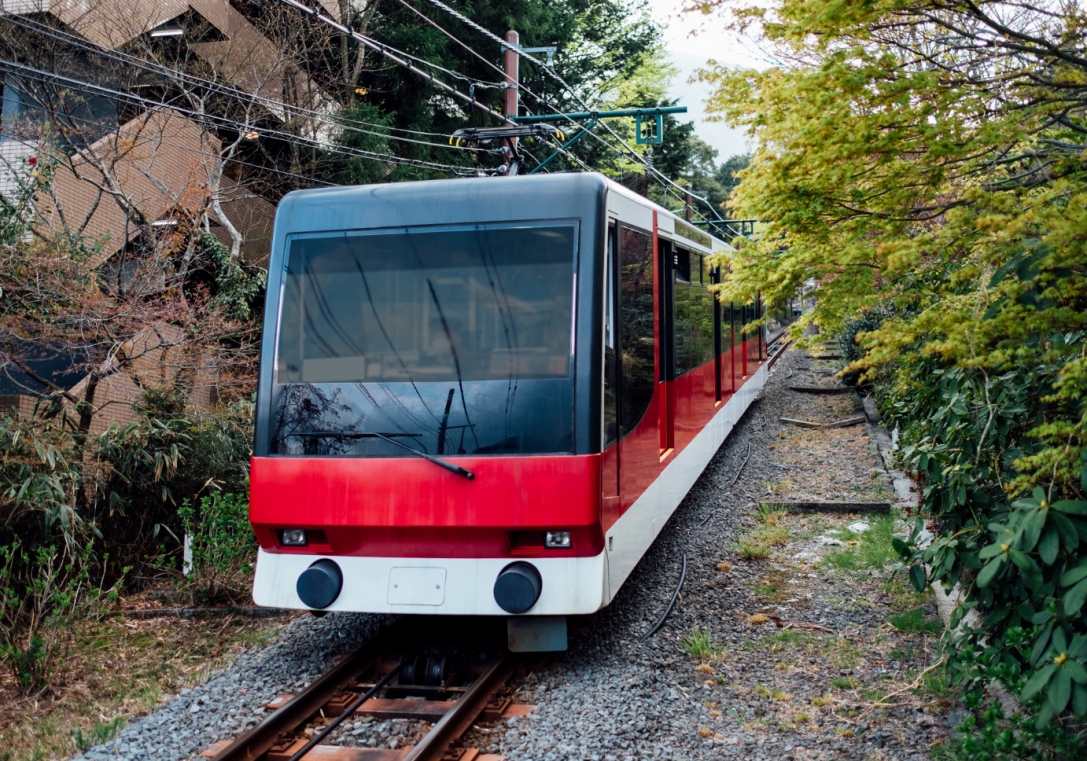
pixel 389 437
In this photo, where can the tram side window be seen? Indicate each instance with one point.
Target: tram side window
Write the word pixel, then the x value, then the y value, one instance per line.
pixel 636 326
pixel 701 313
pixel 693 322
pixel 611 361
pixel 681 320
pixel 708 303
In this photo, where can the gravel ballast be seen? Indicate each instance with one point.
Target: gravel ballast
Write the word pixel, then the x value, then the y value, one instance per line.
pixel 812 687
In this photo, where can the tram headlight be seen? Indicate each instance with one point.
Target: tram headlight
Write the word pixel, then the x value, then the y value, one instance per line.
pixel 557 540
pixel 293 537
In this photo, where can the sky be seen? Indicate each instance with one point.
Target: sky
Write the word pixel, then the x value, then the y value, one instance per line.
pixel 691 40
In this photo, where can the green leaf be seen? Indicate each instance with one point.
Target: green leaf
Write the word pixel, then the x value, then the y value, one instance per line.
pixel 956 617
pixel 899 546
pixel 1041 646
pixel 985 576
pixel 1060 642
pixel 1005 269
pixel 1033 524
pixel 1076 671
pixel 917 577
pixel 1079 700
pixel 1074 598
pixel 1067 530
pixel 1060 690
pixel 990 551
pixel 1049 546
pixel 1071 506
pixel 1044 715
pixel 1070 577
pixel 1078 648
pixel 1035 684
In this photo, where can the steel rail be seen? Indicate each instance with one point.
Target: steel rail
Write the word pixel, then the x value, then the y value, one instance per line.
pixel 348 711
pixel 463 713
pixel 299 709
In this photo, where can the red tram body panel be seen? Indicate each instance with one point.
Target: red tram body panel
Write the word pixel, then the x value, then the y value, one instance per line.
pixel 485 397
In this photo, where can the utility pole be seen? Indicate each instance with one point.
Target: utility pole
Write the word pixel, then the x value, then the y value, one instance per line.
pixel 537 126
pixel 689 210
pixel 509 102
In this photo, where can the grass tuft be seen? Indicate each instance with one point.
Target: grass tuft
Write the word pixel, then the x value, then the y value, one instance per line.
pixel 701 645
pixel 769 532
pixel 749 550
pixel 773 693
pixel 872 549
pixel 101 732
pixel 917 621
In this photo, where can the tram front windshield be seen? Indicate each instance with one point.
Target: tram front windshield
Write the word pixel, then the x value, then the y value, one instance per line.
pixel 452 341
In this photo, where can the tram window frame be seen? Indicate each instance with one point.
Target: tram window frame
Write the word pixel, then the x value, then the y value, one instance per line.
pixel 682 293
pixel 610 405
pixel 694 303
pixel 632 408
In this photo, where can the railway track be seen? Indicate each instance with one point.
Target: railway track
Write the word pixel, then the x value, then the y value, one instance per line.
pixel 451 687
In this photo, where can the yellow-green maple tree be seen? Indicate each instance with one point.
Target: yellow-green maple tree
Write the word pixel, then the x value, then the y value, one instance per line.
pixel 925 162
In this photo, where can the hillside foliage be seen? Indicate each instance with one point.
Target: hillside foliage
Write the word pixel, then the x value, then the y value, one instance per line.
pixel 922 165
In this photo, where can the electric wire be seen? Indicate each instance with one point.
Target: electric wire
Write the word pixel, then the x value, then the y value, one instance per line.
pixel 154 67
pixel 224 121
pixel 159 140
pixel 383 49
pixel 731 483
pixel 400 58
pixel 630 152
pixel 519 86
pixel 671 603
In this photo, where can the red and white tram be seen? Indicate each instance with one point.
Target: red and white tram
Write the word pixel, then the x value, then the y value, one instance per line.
pixel 483 396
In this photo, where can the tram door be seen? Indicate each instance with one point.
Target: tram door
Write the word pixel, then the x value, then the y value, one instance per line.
pixel 611 507
pixel 666 334
pixel 639 454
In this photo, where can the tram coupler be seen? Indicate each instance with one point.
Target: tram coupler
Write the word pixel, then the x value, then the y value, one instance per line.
pixel 536 634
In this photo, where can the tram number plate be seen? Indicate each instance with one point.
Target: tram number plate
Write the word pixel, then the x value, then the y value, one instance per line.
pixel 417 586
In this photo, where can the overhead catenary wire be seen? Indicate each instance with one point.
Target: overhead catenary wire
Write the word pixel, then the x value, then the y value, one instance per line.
pixel 630 152
pixel 384 50
pixel 225 121
pixel 271 104
pixel 398 57
pixel 521 87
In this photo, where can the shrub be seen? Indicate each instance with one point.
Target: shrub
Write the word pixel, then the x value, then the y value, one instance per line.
pixel 223 547
pixel 42 593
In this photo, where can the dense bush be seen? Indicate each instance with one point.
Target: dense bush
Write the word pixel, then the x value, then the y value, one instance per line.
pixel 223 547
pixel 43 592
pixel 1004 517
pixel 77 512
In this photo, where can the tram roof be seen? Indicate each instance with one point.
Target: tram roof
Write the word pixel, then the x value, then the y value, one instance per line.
pixel 305 210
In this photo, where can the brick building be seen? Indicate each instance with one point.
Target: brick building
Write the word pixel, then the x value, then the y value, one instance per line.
pixel 123 160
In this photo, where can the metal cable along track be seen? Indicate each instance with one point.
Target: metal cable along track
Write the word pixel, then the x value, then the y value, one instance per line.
pixel 413 686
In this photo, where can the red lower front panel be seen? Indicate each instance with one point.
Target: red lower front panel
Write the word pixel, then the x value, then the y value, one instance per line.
pixel 409 507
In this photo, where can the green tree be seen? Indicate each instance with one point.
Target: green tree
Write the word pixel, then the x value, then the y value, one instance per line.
pixel 924 162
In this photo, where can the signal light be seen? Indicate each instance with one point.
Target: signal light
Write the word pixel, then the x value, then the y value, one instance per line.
pixel 293 537
pixel 557 540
